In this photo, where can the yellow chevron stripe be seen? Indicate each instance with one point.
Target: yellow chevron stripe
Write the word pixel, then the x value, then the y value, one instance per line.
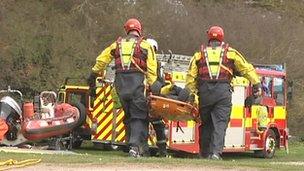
pixel 104 123
pixel 102 108
pixel 108 98
pixel 120 116
pixel 118 127
pixel 103 115
pixel 107 130
pixel 104 100
pixel 120 136
pixel 109 118
pixel 98 90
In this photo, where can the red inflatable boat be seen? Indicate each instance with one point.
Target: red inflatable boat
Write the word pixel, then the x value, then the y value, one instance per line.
pixel 43 118
pixel 66 118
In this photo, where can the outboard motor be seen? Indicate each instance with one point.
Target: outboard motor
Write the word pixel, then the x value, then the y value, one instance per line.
pixel 10 111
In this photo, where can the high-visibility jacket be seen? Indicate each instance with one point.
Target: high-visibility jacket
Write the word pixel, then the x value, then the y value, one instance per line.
pixel 234 60
pixel 126 49
pixel 129 57
pixel 214 65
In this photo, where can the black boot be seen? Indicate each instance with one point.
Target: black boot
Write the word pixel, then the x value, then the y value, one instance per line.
pixel 162 149
pixel 134 152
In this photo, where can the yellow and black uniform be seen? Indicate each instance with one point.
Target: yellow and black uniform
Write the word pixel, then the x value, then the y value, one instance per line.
pixel 136 66
pixel 209 75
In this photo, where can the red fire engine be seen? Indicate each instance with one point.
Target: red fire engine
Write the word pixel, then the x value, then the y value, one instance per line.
pixel 258 125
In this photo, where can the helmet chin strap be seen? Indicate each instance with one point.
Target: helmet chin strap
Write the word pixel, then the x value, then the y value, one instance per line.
pixel 215 43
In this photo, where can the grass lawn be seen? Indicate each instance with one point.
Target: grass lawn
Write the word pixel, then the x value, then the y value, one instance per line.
pixel 89 155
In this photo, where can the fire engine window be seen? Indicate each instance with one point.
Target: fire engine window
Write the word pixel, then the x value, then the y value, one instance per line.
pixel 267 86
pixel 278 92
pixel 60 97
pixel 77 98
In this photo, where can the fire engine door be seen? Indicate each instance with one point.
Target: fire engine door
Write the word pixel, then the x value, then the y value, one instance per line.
pixel 235 133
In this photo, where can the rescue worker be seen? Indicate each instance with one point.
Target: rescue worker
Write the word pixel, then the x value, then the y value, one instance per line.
pixel 158 123
pixel 210 73
pixel 136 67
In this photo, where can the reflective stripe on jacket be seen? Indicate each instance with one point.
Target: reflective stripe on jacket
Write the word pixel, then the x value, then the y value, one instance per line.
pixel 214 65
pixel 108 54
pixel 241 65
pixel 128 54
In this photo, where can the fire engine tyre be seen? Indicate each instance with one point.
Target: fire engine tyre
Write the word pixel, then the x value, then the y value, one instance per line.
pixel 269 146
pixel 82 111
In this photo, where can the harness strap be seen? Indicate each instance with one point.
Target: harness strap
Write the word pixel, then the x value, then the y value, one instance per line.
pixel 138 67
pixel 223 55
pixel 135 52
pixel 204 54
pixel 226 69
pixel 223 66
pixel 123 64
pixel 220 63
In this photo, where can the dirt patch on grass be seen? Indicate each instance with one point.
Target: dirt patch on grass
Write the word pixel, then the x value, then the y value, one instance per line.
pixel 289 163
pixel 126 167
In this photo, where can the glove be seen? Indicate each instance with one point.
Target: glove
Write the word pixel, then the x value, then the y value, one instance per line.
pixel 257 90
pixel 155 88
pixel 184 95
pixel 91 81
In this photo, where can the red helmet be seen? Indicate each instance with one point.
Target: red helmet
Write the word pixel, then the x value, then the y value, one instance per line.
pixel 216 32
pixel 132 24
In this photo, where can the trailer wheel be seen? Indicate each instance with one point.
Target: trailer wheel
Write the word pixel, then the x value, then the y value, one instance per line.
pixel 82 111
pixel 76 138
pixel 269 146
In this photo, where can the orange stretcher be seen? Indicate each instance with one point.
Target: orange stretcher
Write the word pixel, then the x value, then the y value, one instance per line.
pixel 172 109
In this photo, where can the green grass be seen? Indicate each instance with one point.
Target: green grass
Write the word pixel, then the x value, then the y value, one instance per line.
pixel 89 155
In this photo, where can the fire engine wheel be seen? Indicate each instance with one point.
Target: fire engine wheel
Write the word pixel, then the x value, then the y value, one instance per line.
pixel 269 146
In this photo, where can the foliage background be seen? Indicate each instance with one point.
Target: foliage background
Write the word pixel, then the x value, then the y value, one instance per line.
pixel 44 41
